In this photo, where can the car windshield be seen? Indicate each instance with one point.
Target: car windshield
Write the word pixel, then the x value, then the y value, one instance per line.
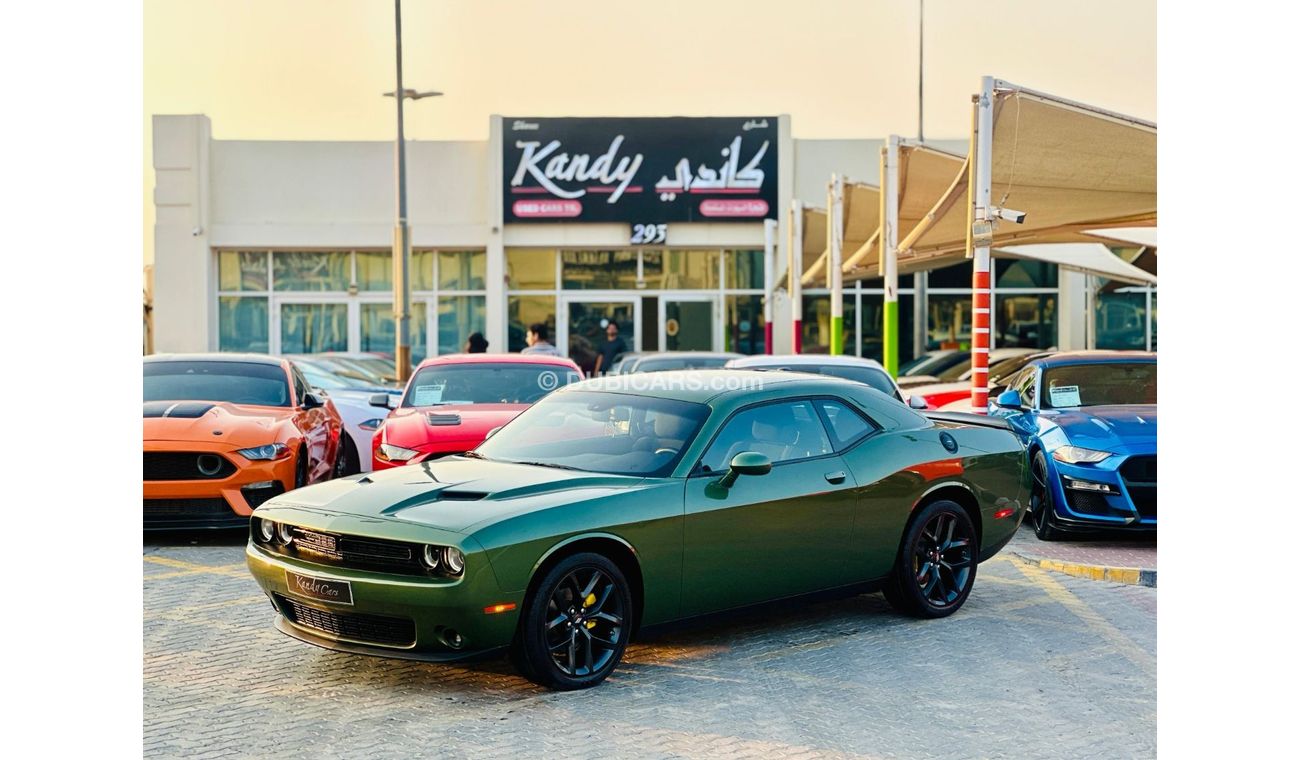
pixel 231 382
pixel 596 431
pixel 871 376
pixel 486 383
pixel 1100 384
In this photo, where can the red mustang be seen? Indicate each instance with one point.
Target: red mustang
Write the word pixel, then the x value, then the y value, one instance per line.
pixel 452 402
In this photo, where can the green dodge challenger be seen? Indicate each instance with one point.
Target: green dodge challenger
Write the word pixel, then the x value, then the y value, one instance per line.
pixel 631 501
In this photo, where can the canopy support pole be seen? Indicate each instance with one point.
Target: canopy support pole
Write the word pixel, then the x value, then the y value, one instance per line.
pixel 835 238
pixel 794 270
pixel 769 280
pixel 979 241
pixel 889 248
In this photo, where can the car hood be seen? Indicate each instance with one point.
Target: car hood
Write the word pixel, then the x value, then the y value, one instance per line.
pixel 210 422
pixel 1108 428
pixel 454 493
pixel 417 427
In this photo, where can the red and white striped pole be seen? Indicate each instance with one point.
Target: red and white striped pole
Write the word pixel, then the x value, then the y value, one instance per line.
pixel 981 240
pixel 794 270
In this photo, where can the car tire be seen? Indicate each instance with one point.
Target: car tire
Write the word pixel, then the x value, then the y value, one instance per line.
pixel 1042 503
pixel 300 469
pixel 922 587
pixel 346 462
pixel 575 624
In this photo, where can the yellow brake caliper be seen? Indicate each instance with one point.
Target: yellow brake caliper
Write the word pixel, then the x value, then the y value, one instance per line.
pixel 590 600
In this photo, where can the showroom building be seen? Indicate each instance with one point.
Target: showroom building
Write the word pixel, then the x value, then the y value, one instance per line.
pixel 655 223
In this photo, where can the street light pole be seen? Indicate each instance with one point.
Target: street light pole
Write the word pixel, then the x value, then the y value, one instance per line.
pixel 401 230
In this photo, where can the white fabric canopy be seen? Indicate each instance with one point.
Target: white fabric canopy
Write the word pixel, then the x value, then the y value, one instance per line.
pixel 1089 258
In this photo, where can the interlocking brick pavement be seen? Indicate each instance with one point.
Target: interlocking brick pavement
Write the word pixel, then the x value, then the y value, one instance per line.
pixel 1036 665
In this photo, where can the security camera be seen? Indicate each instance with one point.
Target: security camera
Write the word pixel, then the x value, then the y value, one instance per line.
pixel 196 231
pixel 1011 215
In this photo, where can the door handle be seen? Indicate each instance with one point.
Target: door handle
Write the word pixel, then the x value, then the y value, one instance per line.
pixel 835 477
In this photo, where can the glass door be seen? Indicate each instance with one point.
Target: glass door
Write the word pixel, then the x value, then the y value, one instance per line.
pixel 309 327
pixel 584 329
pixel 688 323
pixel 377 330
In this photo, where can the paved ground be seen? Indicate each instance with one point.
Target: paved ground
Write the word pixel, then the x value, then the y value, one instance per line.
pixel 1103 550
pixel 1037 664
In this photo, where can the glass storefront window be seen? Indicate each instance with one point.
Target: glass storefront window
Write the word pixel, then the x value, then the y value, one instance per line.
pixel 681 270
pixel 817 323
pixel 241 270
pixel 598 270
pixel 310 328
pixel 955 276
pixel 379 330
pixel 530 269
pixel 1014 273
pixel 243 324
pixel 458 317
pixel 312 270
pixel 422 270
pixel 873 327
pixel 1120 320
pixel 524 311
pixel 375 270
pixel 1026 320
pixel 744 331
pixel 462 270
pixel 948 322
pixel 745 270
pixel 1153 320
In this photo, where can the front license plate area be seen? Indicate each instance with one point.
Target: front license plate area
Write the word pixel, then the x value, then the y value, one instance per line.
pixel 320 589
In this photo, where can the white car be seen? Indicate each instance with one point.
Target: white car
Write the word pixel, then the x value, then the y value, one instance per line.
pixel 360 419
pixel 866 371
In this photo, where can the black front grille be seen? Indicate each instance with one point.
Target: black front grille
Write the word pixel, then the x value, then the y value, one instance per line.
pixel 336 550
pixel 1085 503
pixel 256 497
pixel 377 629
pixel 166 514
pixel 1139 474
pixel 186 465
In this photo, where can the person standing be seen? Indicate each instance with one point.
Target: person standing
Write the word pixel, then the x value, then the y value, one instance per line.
pixel 537 343
pixel 476 344
pixel 610 349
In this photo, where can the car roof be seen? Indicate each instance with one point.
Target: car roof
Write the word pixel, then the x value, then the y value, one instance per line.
pixel 767 360
pixel 496 359
pixel 274 361
pixel 1094 357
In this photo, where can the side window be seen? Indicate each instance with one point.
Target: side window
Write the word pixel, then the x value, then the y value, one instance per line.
pixel 1027 384
pixel 299 385
pixel 847 426
pixel 784 432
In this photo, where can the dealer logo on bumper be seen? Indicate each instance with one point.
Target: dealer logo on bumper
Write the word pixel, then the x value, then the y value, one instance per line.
pixel 338 592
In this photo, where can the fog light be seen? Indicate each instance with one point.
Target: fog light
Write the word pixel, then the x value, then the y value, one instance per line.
pixel 1088 485
pixel 454 638
pixel 266 530
pixel 262 484
pixel 454 560
pixel 284 532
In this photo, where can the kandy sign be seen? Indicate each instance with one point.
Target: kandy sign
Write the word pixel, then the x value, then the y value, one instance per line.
pixel 640 170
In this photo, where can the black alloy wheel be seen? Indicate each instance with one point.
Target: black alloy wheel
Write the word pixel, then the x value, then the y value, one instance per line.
pixel 576 624
pixel 1042 504
pixel 935 569
pixel 346 461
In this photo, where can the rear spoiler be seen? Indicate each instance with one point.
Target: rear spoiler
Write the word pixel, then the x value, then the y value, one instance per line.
pixel 968 418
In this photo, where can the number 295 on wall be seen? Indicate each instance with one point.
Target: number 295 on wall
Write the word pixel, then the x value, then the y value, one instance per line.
pixel 649 233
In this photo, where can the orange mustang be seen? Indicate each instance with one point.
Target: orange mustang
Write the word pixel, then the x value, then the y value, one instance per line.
pixel 225 432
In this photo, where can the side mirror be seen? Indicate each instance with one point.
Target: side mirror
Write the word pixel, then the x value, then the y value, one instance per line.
pixel 1009 400
pixel 492 432
pixel 382 400
pixel 311 401
pixel 746 463
pixel 917 402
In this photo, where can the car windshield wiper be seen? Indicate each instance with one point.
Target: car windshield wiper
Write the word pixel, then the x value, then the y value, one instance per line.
pixel 552 464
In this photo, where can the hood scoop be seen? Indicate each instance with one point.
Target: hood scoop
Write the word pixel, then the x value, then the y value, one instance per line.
pixel 180 409
pixel 448 495
pixel 437 419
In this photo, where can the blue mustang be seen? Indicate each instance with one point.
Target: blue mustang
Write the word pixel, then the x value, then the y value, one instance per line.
pixel 1088 420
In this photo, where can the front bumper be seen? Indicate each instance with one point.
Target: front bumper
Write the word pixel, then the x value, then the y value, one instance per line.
pixel 213 503
pixel 1128 504
pixel 423 615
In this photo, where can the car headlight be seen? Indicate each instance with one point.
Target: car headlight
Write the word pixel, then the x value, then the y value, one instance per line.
pixel 265 529
pixel 432 556
pixel 269 451
pixel 284 532
pixel 1078 455
pixel 390 453
pixel 453 560
pixel 446 559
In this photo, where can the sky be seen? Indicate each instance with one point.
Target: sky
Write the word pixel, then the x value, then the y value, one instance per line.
pixel 314 69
